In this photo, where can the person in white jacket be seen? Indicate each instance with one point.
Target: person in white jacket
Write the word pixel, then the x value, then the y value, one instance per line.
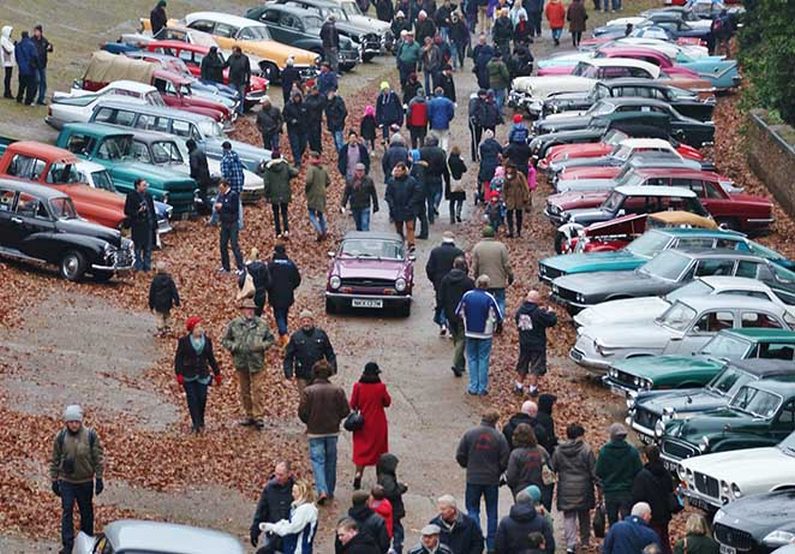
pixel 298 532
pixel 7 58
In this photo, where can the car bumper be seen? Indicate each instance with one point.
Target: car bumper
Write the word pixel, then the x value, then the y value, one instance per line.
pixel 349 58
pixel 252 195
pixel 554 219
pixel 523 101
pixel 645 435
pixel 164 226
pixel 566 302
pixel 386 300
pixel 759 223
pixel 699 500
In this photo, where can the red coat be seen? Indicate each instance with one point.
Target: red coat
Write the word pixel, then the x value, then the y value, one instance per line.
pixel 556 15
pixel 372 439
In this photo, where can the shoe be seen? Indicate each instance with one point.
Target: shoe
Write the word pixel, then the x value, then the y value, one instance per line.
pixel 223 270
pixel 286 235
pixel 518 390
pixel 322 499
pixel 458 218
pixel 357 483
pixel 259 425
pixel 457 372
pixel 443 331
pixel 247 422
pixel 484 393
pixel 279 235
pixel 533 391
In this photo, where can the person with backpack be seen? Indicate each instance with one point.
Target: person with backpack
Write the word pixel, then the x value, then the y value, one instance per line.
pixel 394 489
pixel 163 296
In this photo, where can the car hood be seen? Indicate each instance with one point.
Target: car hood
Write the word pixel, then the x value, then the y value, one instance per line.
pixel 148 171
pixel 760 514
pixel 575 151
pixel 608 281
pixel 541 87
pixel 622 311
pixel 371 23
pixel 628 335
pixel 601 261
pixel 83 227
pixel 347 268
pixel 713 422
pixel 279 52
pixel 594 185
pixel 657 366
pixel 683 401
pixel 733 466
pixel 573 199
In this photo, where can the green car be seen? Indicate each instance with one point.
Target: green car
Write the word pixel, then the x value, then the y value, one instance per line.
pixel 112 148
pixel 679 372
pixel 761 414
pixel 648 245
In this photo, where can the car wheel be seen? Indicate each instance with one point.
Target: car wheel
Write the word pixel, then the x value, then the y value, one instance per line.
pixel 331 306
pixel 368 56
pixel 73 265
pixel 560 240
pixel 102 276
pixel 270 71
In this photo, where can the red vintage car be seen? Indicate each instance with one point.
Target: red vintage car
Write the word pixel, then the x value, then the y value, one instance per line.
pixel 193 54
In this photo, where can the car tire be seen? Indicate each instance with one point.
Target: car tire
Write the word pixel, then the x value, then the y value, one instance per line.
pixel 368 56
pixel 102 276
pixel 560 240
pixel 331 306
pixel 73 265
pixel 270 71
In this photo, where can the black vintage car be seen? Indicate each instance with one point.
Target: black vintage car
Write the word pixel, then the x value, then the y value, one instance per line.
pixel 757 524
pixel 686 102
pixel 40 224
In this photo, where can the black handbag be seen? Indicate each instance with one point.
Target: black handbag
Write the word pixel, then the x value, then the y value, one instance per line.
pixel 599 521
pixel 354 421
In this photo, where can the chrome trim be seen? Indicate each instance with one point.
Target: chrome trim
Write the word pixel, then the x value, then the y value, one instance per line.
pixel 402 297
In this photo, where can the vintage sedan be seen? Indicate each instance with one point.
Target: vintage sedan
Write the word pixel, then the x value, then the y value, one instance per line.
pixel 649 410
pixel 40 224
pixel 370 270
pixel 682 330
pixel 128 536
pixel 759 523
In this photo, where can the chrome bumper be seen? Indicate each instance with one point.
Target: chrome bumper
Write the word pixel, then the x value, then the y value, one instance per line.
pixel 598 367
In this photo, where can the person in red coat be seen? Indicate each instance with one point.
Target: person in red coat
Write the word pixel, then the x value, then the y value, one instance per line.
pixel 370 397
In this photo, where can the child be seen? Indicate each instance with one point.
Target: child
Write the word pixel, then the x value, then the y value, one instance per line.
pixel 457 193
pixel 163 296
pixel 383 507
pixel 393 490
pixel 368 126
pixel 495 212
pixel 518 132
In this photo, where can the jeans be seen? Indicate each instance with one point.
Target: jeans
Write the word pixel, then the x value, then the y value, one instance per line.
pixel 616 4
pixel 534 19
pixel 143 254
pixel 229 233
pixel 362 218
pixel 472 499
pixel 280 315
pixel 428 76
pixel 280 209
pixel 459 54
pixel 556 34
pixel 83 494
pixel 434 199
pixel 438 316
pixel 397 535
pixel 478 352
pixel 339 141
pixel 323 455
pixel 318 221
pixel 422 215
pixel 405 69
pixel 241 92
pixel 7 82
pixel 518 215
pixel 499 98
pixel 27 88
pixel 41 77
pixel 455 209
pixel 297 145
pixel 499 296
pixel 270 141
pixel 196 395
pixel 313 137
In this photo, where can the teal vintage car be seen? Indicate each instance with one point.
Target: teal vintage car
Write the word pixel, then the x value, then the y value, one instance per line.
pixel 761 414
pixel 648 245
pixel 112 148
pixel 680 372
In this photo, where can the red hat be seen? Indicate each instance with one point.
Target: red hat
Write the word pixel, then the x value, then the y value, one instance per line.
pixel 517 118
pixel 192 322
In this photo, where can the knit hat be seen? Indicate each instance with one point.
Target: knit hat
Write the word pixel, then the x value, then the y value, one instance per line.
pixel 73 412
pixel 371 368
pixel 487 232
pixel 517 118
pixel 448 237
pixel 534 493
pixel 400 14
pixel 384 85
pixel 307 313
pixel 192 322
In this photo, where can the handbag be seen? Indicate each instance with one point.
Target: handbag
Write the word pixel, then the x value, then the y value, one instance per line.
pixel 599 521
pixel 354 421
pixel 247 289
pixel 548 476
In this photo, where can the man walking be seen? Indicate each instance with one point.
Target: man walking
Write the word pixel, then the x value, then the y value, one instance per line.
pixel 227 206
pixel 316 182
pixel 499 78
pixel 278 192
pixel 458 531
pixel 336 114
pixel 290 77
pixel 617 465
pixel 43 48
pixel 139 208
pixel 314 102
pixel 532 319
pixel 239 73
pixel 633 534
pixel 27 64
pixel 232 173
pixel 330 38
pixel 388 111
pixel 490 258
pixel 484 453
pixel 451 289
pixel 439 264
pixel 274 504
pixel 295 114
pixel 269 123
pixel 285 278
pixel 307 346
pixel 248 338
pixel 360 194
pixel 352 153
pixel 441 111
pixel 323 406
pixel 408 56
pixel 437 175
pixel 401 194
pixel 417 118
pixel 76 469
pixel 482 318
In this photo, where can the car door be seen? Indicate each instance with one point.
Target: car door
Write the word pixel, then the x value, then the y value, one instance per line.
pixel 9 233
pixel 759 319
pixel 784 421
pixel 31 217
pixel 706 326
pixel 274 20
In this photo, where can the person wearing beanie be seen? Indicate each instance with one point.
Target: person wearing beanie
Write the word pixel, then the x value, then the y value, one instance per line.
pixel 388 111
pixel 269 123
pixel 406 200
pixel 296 116
pixel 76 471
pixel 192 362
pixel 490 257
pixel 163 296
pixel 394 489
pixel 616 467
pixel 330 38
pixel 369 397
pixel 440 262
pixel 307 346
pixel 455 191
pixel 285 278
pixel 522 520
pixel 394 154
pixel 278 192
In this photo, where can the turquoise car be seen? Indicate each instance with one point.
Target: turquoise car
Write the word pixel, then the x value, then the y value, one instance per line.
pixel 648 245
pixel 112 148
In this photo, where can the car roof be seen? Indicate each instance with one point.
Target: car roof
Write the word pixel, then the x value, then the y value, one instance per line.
pixel 703 253
pixel 169 538
pixel 97 129
pixel 728 301
pixel 635 81
pixel 154 110
pixel 178 45
pixel 132 85
pixel 295 10
pixel 33 189
pixel 779 388
pixel 636 101
pixel 219 17
pixel 34 148
pixel 623 62
pixel 646 143
pixel 675 172
pixel 149 136
pixel 727 281
pixel 765 367
pixel 372 235
pixel 655 190
pixel 693 231
pixel 770 335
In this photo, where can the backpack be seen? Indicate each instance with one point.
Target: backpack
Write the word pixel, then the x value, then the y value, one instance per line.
pixel 92 438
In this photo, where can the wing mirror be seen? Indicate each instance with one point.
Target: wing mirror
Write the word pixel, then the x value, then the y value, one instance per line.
pixel 621 212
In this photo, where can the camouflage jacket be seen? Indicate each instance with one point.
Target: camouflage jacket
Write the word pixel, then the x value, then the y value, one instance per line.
pixel 248 340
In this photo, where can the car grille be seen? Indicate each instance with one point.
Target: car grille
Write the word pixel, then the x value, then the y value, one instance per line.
pixel 626 380
pixel 735 538
pixel 706 485
pixel 645 418
pixel 678 450
pixel 372 40
pixel 566 294
pixel 122 258
pixel 549 272
pixel 553 209
pixel 364 282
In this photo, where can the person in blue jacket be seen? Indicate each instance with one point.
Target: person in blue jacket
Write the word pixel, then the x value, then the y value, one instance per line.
pixel 633 534
pixel 482 319
pixel 27 61
pixel 388 111
pixel 441 111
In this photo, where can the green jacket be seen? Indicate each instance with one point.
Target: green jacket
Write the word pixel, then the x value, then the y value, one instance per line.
pixel 317 179
pixel 696 544
pixel 277 181
pixel 248 340
pixel 616 467
pixel 77 458
pixel 409 53
pixel 499 78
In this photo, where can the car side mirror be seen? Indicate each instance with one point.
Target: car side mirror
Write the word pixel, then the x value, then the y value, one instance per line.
pixel 330 253
pixel 621 212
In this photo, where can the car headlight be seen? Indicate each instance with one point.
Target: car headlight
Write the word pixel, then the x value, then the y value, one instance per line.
pixel 630 402
pixel 400 284
pixel 736 492
pixel 169 211
pixel 703 444
pixel 335 282
pixel 659 428
pixel 668 413
pixel 317 60
pixel 779 537
pixel 637 381
pixel 719 515
pixel 580 298
pixel 724 487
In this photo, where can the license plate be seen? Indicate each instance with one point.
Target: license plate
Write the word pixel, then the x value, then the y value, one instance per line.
pixel 702 505
pixel 670 466
pixel 727 549
pixel 367 303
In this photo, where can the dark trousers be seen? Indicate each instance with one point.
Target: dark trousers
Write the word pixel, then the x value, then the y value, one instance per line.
pixel 662 532
pixel 475 134
pixel 460 51
pixel 518 214
pixel 422 215
pixel 417 136
pixel 229 233
pixel 280 315
pixel 455 209
pixel 576 37
pixel 618 507
pixel 313 137
pixel 490 494
pixel 280 209
pixel 196 394
pixel 297 145
pixel 404 69
pixel 27 88
pixel 397 535
pixel 83 494
pixel 270 140
pixel 534 19
pixel 7 82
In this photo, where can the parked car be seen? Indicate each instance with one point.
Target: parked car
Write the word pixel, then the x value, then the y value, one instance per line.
pixel 129 535
pixel 760 523
pixel 655 57
pixel 40 224
pixel 180 33
pixel 112 148
pixel 370 270
pixel 355 15
pixel 649 410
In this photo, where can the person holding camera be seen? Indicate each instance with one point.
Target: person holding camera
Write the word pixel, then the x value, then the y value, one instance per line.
pixel 139 208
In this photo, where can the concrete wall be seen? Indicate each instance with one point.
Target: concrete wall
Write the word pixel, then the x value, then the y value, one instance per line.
pixel 772 158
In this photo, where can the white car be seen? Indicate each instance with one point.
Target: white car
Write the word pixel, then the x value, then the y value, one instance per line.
pixel 638 20
pixel 711 480
pixel 77 105
pixel 683 329
pixel 355 15
pixel 648 308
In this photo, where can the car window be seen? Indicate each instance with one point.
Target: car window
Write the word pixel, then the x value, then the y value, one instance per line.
pixel 102 115
pixel 6 200
pixel 638 72
pixel 712 322
pixel 747 269
pixel 224 30
pixel 776 351
pixel 270 16
pixel 140 152
pixel 144 121
pixel 756 402
pixel 181 128
pixel 732 243
pixel 126 118
pixel 677 317
pixel 786 417
pixel 161 124
pixel 63 173
pixel 714 267
pixel 202 25
pixel 785 296
pixel 695 242
pixel 712 189
pixel 82 145
pixel 27 205
pixel 187 57
pixel 166 152
pixel 363 248
pixel 759 320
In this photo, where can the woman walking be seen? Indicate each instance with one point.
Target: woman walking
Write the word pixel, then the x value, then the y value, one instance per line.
pixel 575 464
pixel 527 463
pixel 260 278
pixel 297 532
pixel 370 397
pixel 455 187
pixel 194 355
pixel 576 17
pixel 517 199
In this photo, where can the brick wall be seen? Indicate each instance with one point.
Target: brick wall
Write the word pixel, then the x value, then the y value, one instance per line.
pixel 772 159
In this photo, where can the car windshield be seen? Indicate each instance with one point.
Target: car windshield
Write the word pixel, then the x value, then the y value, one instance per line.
pixel 677 317
pixel 255 32
pixel 612 202
pixel 81 101
pixel 600 108
pixel 622 152
pixel 103 180
pixel 154 98
pixel 61 172
pixel 667 265
pixel 351 8
pixel 62 208
pixel 725 347
pixel 210 128
pixel 311 22
pixel 788 445
pixel 628 177
pixel 648 244
pixel 756 402
pixel 584 69
pixel 694 288
pixel 166 152
pixel 372 248
pixel 729 381
pixel 614 136
pixel 115 148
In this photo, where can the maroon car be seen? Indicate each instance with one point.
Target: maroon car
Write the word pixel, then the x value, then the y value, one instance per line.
pixel 370 271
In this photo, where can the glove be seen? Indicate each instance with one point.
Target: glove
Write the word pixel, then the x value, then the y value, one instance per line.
pixel 99 487
pixel 218 379
pixel 180 379
pixel 56 488
pixel 254 536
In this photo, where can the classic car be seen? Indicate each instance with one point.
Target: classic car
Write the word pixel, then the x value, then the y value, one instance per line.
pixel 127 536
pixel 55 168
pixel 179 33
pixel 203 130
pixel 40 224
pixel 193 54
pixel 668 270
pixel 647 410
pixel 355 15
pixel 684 101
pixel 112 148
pixel 370 270
pixel 762 413
pixel 682 330
pixel 690 131
pixel 760 523
pixel 365 37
